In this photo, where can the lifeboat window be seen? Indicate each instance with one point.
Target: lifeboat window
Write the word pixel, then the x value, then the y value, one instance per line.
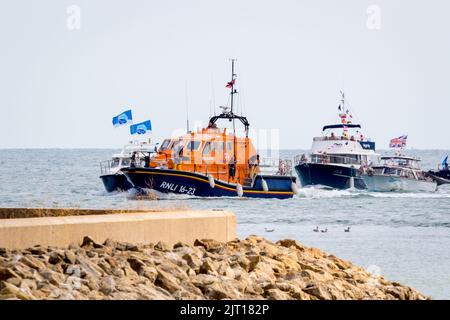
pixel 194 145
pixel 209 147
pixel 165 145
pixel 125 162
pixel 219 146
pixel 177 147
pixel 229 146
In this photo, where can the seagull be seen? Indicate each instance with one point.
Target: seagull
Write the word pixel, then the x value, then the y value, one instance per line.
pixel 324 230
pixel 269 230
pixel 316 229
pixel 347 230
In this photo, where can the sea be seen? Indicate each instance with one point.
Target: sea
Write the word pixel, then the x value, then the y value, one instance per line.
pixel 403 236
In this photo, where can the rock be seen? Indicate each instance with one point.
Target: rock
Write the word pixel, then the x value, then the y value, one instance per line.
pixel 149 272
pixel 277 294
pixel 209 244
pixel 341 264
pixel 193 261
pixel 253 268
pixel 88 241
pixel 89 267
pixel 291 244
pixel 180 244
pixel 167 281
pixel 6 273
pixel 53 277
pixel 56 258
pixel 11 291
pixel 37 250
pixel 222 290
pixel 162 246
pixel 3 252
pixel 70 256
pixel 33 262
pixel 107 285
pixel 136 264
pixel 28 285
pixel 319 291
pixel 254 260
pixel 208 267
pixel 244 262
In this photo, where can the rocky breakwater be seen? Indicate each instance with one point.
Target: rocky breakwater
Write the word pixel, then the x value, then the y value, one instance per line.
pixel 253 268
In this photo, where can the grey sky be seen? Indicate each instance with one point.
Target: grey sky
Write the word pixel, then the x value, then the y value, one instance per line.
pixel 60 87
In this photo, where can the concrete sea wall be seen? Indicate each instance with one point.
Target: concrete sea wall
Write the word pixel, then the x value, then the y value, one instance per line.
pixel 129 226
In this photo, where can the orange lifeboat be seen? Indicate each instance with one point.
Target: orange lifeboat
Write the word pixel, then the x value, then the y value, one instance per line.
pixel 213 162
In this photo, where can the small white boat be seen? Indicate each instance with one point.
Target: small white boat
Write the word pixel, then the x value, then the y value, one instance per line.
pixel 398 174
pixel 133 154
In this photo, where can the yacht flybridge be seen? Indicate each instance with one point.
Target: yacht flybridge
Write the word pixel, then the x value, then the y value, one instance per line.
pixel 213 162
pixel 337 155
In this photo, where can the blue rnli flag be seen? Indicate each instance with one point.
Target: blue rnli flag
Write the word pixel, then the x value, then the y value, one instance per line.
pixel 141 128
pixel 444 162
pixel 122 119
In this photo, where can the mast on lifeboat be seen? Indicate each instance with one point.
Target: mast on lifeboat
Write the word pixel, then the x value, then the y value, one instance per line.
pixel 233 91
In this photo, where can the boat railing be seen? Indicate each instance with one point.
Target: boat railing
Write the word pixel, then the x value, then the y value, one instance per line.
pixel 275 166
pixel 112 166
pixel 267 166
pixel 105 166
pixel 336 138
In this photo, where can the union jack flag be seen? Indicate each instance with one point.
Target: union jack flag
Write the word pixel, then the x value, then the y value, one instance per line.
pixel 399 142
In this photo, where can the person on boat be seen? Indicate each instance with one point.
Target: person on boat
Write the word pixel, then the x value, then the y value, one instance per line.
pixel 133 160
pixel 282 168
pixel 332 136
pixel 212 126
pixel 232 167
pixel 303 159
pixel 147 161
pixel 253 164
pixel 352 138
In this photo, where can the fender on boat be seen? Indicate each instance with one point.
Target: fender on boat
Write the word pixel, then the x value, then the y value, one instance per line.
pixel 239 190
pixel 294 187
pixel 264 185
pixel 212 183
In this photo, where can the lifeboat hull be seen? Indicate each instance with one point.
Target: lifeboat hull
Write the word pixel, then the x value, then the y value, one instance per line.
pixel 332 176
pixel 195 184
